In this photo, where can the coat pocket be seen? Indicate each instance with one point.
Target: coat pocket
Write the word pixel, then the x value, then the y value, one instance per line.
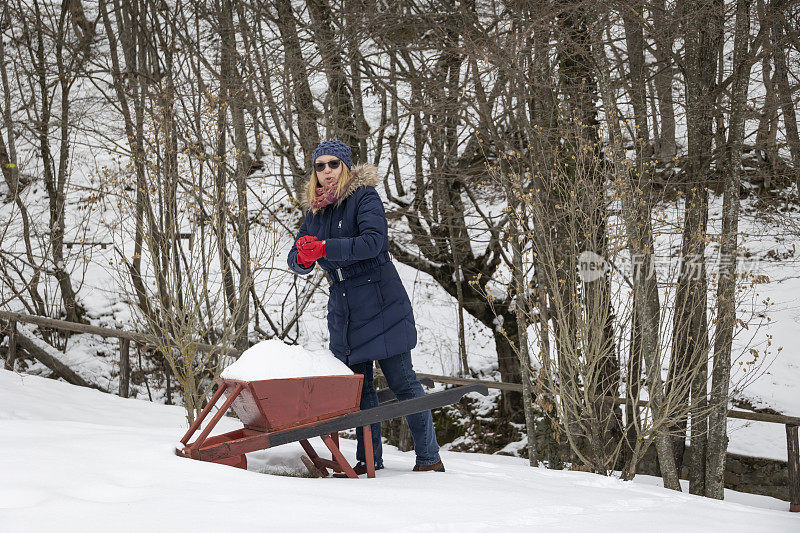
pixel 364 298
pixel 371 277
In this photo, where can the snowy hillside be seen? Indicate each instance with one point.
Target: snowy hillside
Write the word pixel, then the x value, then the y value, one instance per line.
pixel 75 459
pixel 101 180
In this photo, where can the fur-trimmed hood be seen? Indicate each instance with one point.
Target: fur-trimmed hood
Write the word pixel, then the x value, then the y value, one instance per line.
pixel 362 175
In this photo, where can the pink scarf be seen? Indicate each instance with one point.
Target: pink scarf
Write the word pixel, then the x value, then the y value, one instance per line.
pixel 326 195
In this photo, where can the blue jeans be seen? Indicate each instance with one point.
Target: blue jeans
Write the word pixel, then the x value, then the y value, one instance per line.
pixel 404 384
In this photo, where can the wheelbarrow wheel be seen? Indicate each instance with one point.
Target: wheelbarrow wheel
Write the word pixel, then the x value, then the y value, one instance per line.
pixel 312 468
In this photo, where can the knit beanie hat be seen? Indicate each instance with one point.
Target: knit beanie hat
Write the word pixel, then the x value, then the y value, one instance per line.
pixel 336 149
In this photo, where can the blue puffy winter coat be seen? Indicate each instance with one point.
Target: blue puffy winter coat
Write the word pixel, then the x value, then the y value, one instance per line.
pixel 369 313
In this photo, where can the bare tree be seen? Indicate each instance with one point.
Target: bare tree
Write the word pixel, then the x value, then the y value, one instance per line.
pixel 726 288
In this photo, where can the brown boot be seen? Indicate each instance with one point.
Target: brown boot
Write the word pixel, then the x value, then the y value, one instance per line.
pixel 435 467
pixel 360 469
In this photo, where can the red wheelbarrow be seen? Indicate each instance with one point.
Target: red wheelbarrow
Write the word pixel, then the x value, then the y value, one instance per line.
pixel 280 411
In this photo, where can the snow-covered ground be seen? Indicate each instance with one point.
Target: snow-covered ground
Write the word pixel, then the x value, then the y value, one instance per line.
pixel 75 459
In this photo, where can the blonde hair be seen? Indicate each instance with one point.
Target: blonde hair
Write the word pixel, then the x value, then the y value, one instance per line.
pixel 313 182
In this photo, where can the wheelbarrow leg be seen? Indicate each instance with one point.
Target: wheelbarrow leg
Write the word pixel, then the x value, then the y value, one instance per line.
pixel 368 451
pixel 195 446
pixel 315 459
pixel 335 438
pixel 311 467
pixel 337 455
pixel 203 414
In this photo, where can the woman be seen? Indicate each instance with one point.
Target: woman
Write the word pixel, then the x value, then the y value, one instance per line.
pixel 369 314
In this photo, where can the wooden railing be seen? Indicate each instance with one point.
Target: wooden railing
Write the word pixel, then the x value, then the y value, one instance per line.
pixel 126 337
pixel 790 422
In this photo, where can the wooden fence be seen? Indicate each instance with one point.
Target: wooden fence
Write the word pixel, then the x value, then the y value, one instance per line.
pixel 792 423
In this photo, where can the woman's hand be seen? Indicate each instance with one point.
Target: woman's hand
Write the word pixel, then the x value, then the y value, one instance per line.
pixel 303 257
pixel 304 239
pixel 312 248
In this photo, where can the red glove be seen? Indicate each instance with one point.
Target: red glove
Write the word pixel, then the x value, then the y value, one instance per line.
pixel 313 248
pixel 304 239
pixel 303 258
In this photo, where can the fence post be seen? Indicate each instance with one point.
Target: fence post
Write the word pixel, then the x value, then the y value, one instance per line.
pixel 124 367
pixel 793 461
pixel 12 345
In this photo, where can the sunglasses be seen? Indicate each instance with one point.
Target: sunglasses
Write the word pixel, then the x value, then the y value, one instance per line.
pixel 320 167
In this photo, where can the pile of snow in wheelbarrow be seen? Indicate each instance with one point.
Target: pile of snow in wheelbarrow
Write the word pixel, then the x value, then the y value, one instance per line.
pixel 273 359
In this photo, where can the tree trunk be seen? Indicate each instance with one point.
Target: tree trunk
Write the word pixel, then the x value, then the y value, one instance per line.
pixel 10 169
pixel 633 390
pixel 302 98
pixel 354 19
pixel 635 193
pixel 60 369
pixel 11 356
pixel 632 15
pixel 726 288
pixel 664 28
pixel 227 66
pixel 521 310
pixel 690 331
pixel 134 125
pixel 768 119
pixel 235 100
pixel 340 116
pixel 784 95
pixel 55 180
pixel 124 367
